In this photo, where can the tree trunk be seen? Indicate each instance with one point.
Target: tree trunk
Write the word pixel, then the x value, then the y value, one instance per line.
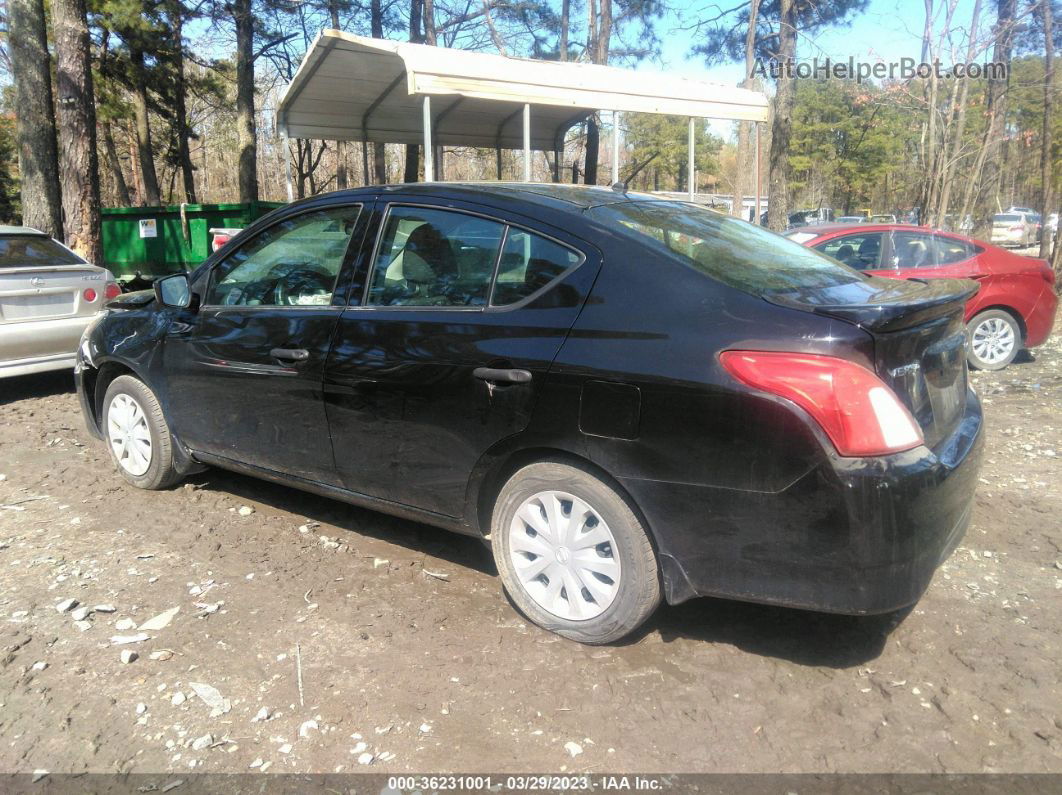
pixel 180 112
pixel 782 122
pixel 996 106
pixel 565 24
pixel 77 129
pixel 412 170
pixel 744 143
pixel 950 163
pixel 593 144
pixel 245 122
pixel 1047 199
pixel 38 155
pixel 115 165
pixel 145 155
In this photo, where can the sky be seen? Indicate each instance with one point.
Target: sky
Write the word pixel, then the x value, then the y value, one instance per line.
pixel 887 31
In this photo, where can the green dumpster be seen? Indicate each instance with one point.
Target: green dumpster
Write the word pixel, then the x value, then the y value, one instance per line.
pixel 153 241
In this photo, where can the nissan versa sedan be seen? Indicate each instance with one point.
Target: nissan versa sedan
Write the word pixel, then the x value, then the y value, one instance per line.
pixel 630 399
pixel 48 295
pixel 1014 309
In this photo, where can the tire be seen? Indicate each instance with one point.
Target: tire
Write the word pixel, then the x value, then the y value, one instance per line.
pixel 125 434
pixel 993 340
pixel 524 539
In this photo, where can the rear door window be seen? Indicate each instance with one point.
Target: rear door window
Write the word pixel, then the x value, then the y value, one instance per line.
pixel 862 252
pixel 434 257
pixel 20 251
pixel 913 250
pixel 951 250
pixel 742 255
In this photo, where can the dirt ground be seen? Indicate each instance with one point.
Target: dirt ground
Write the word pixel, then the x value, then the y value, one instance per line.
pixel 411 659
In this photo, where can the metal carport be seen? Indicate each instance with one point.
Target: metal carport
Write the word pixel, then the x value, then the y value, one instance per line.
pixel 354 88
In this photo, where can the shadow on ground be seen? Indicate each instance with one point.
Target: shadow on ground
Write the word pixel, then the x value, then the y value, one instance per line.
pixel 420 538
pixel 38 385
pixel 799 636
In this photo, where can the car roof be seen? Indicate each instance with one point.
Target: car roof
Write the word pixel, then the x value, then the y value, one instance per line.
pixel 557 196
pixel 829 229
pixel 20 230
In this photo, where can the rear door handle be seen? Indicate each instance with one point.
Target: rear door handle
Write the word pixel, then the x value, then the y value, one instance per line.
pixel 290 354
pixel 502 376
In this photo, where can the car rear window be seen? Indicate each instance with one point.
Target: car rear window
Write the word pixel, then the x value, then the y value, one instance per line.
pixel 731 251
pixel 1002 218
pixel 21 250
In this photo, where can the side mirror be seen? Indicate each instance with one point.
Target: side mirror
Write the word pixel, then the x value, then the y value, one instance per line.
pixel 174 291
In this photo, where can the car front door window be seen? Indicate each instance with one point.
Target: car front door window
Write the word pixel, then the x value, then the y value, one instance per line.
pixel 294 262
pixel 862 252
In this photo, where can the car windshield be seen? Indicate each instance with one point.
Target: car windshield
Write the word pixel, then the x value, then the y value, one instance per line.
pixel 18 251
pixel 731 251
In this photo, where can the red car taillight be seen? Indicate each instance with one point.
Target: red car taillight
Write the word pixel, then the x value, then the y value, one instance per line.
pixel 219 241
pixel 89 294
pixel 855 408
pixel 112 290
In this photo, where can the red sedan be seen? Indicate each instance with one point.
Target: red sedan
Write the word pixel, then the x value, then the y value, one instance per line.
pixel 1014 309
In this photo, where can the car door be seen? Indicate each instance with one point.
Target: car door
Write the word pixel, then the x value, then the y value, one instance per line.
pixel 447 347
pixel 244 372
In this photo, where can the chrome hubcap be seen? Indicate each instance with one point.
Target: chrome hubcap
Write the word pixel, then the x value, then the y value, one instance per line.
pixel 992 340
pixel 564 555
pixel 130 439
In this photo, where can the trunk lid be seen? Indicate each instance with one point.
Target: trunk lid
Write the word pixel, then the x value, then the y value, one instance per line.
pixel 41 292
pixel 919 339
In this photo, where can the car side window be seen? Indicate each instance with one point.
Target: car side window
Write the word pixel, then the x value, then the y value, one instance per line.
pixel 862 252
pixel 433 257
pixel 294 262
pixel 528 263
pixel 913 250
pixel 950 250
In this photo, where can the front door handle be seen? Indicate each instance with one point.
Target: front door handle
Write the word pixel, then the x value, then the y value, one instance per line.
pixel 290 354
pixel 502 376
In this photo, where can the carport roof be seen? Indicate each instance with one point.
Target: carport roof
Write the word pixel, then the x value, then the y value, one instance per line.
pixel 356 88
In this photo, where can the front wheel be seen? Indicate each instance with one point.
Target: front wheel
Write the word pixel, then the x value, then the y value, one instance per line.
pixel 137 435
pixel 994 339
pixel 572 554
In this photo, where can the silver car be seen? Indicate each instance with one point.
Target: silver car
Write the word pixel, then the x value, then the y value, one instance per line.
pixel 48 294
pixel 1014 229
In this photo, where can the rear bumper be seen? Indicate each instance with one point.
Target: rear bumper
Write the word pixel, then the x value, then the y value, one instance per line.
pixel 1041 319
pixel 856 536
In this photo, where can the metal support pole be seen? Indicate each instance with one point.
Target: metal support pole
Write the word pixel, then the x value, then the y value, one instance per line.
pixel 428 176
pixel 287 170
pixel 527 143
pixel 756 174
pixel 690 177
pixel 615 146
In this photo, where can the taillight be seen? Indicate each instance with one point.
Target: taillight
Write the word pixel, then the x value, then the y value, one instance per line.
pixel 219 241
pixel 112 290
pixel 89 294
pixel 855 408
pixel 1015 228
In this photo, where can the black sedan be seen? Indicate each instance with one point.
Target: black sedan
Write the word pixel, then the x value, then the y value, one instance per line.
pixel 628 398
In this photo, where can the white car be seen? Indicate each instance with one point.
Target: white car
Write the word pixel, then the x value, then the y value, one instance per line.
pixel 48 294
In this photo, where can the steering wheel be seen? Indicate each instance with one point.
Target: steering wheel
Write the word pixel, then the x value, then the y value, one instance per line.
pixel 295 281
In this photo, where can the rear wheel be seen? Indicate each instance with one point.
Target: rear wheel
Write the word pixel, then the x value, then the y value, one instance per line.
pixel 137 435
pixel 572 554
pixel 994 339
